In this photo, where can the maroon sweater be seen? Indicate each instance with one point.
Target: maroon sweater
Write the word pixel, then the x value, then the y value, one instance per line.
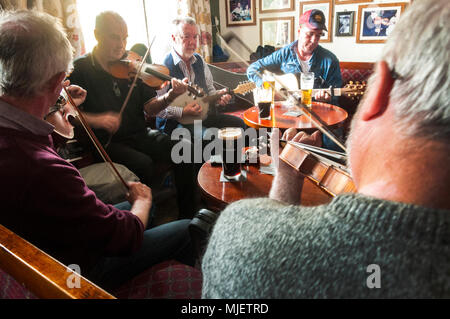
pixel 45 200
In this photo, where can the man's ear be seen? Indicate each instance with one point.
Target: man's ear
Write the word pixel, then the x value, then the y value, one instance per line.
pixel 378 94
pixel 97 35
pixel 55 81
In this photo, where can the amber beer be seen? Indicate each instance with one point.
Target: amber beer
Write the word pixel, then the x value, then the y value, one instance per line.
pixel 307 84
pixel 307 97
pixel 231 153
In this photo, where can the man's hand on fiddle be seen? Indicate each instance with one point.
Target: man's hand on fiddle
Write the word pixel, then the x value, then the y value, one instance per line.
pixel 77 93
pixel 292 134
pixel 288 182
pixel 192 109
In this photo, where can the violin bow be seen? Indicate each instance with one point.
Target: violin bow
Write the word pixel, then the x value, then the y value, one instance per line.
pixel 308 112
pixel 96 142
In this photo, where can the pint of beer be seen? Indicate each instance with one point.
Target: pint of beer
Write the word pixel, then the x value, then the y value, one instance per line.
pixel 269 84
pixel 232 152
pixel 306 85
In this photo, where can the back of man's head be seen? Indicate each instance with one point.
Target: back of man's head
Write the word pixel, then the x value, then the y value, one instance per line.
pixel 418 50
pixel 33 48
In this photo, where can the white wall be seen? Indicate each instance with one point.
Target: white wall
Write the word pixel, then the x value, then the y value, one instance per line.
pixel 345 48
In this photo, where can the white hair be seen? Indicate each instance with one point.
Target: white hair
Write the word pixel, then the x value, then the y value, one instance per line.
pixel 418 50
pixel 179 22
pixel 33 48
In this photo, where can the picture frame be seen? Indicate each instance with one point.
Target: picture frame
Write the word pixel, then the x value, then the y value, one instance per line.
pixel 350 1
pixel 240 12
pixel 376 21
pixel 268 6
pixel 345 20
pixel 326 6
pixel 277 32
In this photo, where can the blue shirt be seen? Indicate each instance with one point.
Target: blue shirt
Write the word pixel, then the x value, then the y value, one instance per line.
pixel 323 63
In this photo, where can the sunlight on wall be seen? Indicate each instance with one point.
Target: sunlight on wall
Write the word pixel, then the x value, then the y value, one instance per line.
pixel 159 19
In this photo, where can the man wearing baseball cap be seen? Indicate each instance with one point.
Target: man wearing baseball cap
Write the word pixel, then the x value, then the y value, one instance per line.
pixel 305 55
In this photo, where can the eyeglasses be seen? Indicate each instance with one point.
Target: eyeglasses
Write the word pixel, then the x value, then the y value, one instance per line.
pixel 188 37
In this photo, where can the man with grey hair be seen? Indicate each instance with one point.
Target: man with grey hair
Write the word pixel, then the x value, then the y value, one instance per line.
pixel 185 64
pixel 388 240
pixel 44 198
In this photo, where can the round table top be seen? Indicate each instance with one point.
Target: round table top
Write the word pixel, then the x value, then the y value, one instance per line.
pixel 332 115
pixel 219 194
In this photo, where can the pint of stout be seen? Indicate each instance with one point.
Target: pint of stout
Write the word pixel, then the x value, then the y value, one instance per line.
pixel 232 152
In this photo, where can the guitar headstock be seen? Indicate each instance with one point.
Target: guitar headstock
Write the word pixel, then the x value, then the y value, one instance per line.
pixel 244 87
pixel 354 90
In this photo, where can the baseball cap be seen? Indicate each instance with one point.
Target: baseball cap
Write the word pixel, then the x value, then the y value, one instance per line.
pixel 313 19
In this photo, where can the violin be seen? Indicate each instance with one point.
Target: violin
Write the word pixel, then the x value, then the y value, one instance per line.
pixel 60 116
pixel 330 176
pixel 153 75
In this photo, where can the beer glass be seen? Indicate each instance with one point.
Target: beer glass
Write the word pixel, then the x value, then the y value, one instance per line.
pixel 231 138
pixel 306 85
pixel 263 98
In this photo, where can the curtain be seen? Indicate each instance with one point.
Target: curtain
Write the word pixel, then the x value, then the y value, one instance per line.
pixel 65 10
pixel 200 10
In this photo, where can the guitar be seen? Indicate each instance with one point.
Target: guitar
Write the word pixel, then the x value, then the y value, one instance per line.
pixel 353 91
pixel 186 98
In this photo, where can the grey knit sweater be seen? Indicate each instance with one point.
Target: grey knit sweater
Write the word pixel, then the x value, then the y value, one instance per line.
pixel 261 248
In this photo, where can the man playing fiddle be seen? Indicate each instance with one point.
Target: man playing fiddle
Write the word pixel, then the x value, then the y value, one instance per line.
pixel 132 144
pixel 184 63
pixel 388 240
pixel 45 200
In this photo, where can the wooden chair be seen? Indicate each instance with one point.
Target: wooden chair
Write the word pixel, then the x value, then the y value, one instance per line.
pixel 40 273
pixel 35 274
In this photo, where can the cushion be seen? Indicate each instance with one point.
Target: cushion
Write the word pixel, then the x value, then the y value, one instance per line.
pixel 11 289
pixel 99 178
pixel 167 280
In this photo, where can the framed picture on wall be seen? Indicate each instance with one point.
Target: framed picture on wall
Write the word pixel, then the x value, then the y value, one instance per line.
pixel 344 23
pixel 267 6
pixel 276 32
pixel 350 1
pixel 326 6
pixel 240 12
pixel 376 21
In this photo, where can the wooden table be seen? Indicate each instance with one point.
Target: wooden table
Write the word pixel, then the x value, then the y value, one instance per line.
pixel 332 115
pixel 219 194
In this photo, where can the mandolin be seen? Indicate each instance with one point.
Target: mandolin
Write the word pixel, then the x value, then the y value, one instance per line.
pixel 186 98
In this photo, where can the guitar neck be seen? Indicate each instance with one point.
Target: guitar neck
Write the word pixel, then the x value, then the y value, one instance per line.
pixel 337 91
pixel 214 97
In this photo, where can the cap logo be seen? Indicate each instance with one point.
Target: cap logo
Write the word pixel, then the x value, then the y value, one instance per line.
pixel 318 18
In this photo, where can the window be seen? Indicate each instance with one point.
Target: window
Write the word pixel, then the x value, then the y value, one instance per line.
pixel 159 16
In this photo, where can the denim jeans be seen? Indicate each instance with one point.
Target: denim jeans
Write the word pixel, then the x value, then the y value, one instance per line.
pixel 164 242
